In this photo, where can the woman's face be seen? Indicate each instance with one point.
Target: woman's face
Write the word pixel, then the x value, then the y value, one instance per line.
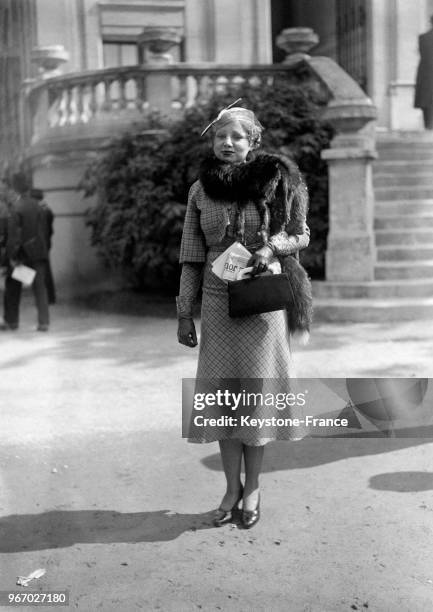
pixel 231 143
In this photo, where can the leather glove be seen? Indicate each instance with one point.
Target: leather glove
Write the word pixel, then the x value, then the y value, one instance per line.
pixel 186 332
pixel 260 260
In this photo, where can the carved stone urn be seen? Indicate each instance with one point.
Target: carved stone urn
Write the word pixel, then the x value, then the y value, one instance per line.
pixel 296 42
pixel 48 59
pixel 156 43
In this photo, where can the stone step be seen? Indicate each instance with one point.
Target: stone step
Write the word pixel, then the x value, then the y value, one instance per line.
pixel 403 285
pixel 396 154
pixel 373 310
pixel 407 237
pixel 405 138
pixel 406 167
pixel 405 148
pixel 403 207
pixel 416 192
pixel 403 254
pixel 406 181
pixel 396 221
pixel 408 288
pixel 387 270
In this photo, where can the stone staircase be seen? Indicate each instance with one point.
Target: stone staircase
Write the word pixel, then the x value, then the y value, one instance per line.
pixel 403 224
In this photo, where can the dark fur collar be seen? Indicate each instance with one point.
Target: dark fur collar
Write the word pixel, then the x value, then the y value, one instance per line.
pixel 255 180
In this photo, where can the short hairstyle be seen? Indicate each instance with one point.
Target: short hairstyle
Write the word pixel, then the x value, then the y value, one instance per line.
pixel 252 128
pixel 20 183
pixel 37 194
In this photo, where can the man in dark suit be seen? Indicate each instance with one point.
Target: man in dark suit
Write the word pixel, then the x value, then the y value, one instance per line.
pixel 29 246
pixel 424 77
pixel 4 216
pixel 38 195
pixel 9 233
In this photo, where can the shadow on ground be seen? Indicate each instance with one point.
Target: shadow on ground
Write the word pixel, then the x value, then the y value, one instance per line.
pixel 59 529
pixel 403 482
pixel 312 452
pixel 129 303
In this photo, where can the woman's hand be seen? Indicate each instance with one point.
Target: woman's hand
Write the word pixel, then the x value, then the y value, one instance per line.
pixel 260 260
pixel 186 332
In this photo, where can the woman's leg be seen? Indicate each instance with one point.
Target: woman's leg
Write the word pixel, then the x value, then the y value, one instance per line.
pixel 231 455
pixel 253 457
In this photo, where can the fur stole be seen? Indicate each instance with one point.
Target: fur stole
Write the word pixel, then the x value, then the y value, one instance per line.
pixel 275 184
pixel 300 309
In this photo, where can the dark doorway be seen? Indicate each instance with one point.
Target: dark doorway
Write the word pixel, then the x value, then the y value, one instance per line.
pixel 319 16
pixel 281 17
pixel 352 39
pixel 340 24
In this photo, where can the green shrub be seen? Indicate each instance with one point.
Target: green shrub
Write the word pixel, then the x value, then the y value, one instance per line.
pixel 142 181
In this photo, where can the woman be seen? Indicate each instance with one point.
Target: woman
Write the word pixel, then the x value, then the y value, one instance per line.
pixel 261 201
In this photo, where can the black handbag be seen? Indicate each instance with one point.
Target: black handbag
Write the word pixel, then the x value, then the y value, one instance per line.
pixel 290 290
pixel 258 294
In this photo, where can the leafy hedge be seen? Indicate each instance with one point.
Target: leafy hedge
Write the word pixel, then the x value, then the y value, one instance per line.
pixel 142 181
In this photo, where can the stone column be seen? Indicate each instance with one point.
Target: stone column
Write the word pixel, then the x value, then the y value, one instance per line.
pixel 350 254
pixel 351 251
pixel 155 44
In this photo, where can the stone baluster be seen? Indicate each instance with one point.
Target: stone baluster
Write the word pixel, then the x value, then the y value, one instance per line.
pixel 203 87
pixel 182 89
pixel 155 44
pixel 122 93
pixel 141 99
pixel 79 93
pixel 93 102
pixel 212 86
pixel 54 113
pixel 68 106
pixel 107 104
pixel 351 251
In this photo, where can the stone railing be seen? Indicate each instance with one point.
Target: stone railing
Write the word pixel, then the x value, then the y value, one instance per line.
pixel 125 94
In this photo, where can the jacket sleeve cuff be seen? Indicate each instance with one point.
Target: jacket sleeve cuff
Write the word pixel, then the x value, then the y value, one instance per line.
pixel 283 244
pixel 184 307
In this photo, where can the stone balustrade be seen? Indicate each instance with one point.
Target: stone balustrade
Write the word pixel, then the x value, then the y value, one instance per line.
pixel 124 94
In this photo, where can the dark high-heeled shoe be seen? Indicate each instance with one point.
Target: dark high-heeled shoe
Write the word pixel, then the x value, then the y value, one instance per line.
pixel 251 517
pixel 226 516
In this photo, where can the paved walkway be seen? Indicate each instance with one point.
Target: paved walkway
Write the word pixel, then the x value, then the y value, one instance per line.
pixel 100 490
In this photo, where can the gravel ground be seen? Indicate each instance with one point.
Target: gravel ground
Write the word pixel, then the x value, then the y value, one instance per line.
pixel 99 488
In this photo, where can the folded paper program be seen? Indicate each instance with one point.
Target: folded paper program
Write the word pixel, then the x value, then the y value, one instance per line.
pixel 24 275
pixel 237 253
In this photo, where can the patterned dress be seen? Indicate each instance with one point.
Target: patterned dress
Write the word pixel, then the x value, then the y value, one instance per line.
pixel 245 350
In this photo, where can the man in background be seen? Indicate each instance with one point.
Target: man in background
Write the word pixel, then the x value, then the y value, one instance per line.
pixel 27 245
pixel 424 77
pixel 4 216
pixel 38 195
pixel 9 234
